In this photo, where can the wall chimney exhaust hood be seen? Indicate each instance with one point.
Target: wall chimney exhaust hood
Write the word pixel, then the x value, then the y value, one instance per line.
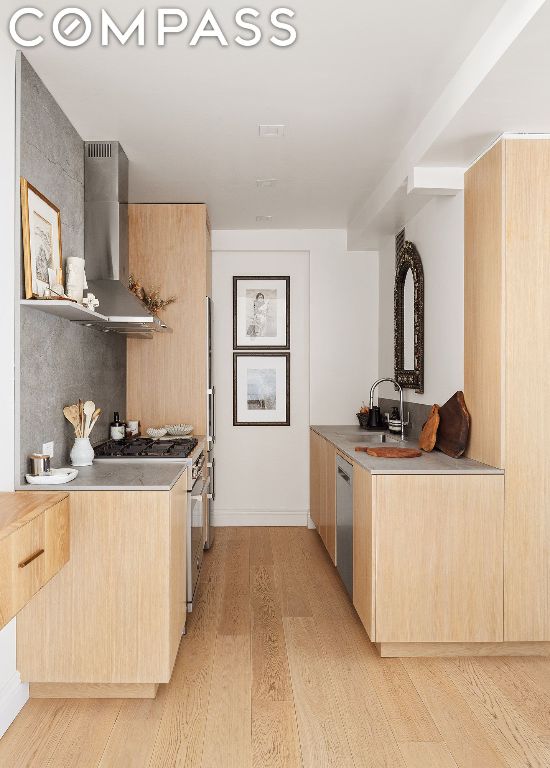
pixel 106 242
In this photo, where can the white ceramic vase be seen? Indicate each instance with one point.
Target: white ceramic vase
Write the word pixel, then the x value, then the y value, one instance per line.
pixel 82 453
pixel 76 278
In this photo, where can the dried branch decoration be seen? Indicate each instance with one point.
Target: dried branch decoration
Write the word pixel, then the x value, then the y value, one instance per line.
pixel 150 299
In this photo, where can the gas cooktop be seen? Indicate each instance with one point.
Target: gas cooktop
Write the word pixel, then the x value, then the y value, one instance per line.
pixel 146 448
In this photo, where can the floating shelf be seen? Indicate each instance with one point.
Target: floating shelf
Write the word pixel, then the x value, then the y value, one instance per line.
pixel 68 310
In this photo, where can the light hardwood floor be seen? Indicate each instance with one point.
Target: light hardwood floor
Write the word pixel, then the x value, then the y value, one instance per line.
pixel 276 670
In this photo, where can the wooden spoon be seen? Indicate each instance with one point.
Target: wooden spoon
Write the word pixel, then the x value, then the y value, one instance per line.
pixel 71 414
pixel 95 416
pixel 89 410
pixel 80 418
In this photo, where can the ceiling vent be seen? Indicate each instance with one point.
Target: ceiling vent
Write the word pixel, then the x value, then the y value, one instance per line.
pixel 271 131
pixel 262 183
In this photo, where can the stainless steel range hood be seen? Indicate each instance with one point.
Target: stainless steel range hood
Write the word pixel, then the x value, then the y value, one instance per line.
pixel 106 241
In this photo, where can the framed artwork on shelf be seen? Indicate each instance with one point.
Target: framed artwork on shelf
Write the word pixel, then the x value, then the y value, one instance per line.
pixel 261 313
pixel 41 224
pixel 261 389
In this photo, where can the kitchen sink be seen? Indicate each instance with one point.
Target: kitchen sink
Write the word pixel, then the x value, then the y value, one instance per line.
pixel 375 439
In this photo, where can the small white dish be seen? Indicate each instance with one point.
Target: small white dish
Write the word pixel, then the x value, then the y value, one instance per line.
pixel 156 433
pixel 179 430
pixel 56 477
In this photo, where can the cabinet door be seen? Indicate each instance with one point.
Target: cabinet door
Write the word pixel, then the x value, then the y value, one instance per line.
pixel 329 527
pixel 439 558
pixel 483 295
pixel 363 548
pixel 315 447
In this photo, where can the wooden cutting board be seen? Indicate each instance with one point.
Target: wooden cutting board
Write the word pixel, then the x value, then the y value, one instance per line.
pixel 454 426
pixel 390 453
pixel 428 436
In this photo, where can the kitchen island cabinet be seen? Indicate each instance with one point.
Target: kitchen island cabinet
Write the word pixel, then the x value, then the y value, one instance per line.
pixel 111 624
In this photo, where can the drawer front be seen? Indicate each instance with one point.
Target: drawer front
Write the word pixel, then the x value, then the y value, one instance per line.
pixel 30 556
pixel 57 538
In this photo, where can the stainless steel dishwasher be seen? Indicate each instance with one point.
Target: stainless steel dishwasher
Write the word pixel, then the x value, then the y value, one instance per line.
pixel 344 522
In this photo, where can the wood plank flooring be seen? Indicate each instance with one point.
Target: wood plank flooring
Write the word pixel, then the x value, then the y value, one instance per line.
pixel 276 671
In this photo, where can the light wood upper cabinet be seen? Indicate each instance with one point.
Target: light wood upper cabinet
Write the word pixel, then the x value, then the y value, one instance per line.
pixel 483 306
pixel 507 342
pixel 116 612
pixel 169 247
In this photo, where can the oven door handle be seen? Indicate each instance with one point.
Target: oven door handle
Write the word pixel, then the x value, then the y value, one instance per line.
pixel 212 479
pixel 200 488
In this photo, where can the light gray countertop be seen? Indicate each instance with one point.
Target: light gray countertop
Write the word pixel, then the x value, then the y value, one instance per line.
pixel 435 463
pixel 119 475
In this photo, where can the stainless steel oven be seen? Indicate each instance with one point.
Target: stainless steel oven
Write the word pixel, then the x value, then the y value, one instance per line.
pixel 197 522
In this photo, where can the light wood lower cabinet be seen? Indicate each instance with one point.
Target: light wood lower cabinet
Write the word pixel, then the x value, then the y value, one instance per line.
pixel 363 549
pixel 33 552
pixel 116 612
pixel 323 490
pixel 428 557
pixel 315 460
pixel 328 516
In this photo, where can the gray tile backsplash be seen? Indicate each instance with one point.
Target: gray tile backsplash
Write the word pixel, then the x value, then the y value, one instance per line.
pixel 418 413
pixel 59 360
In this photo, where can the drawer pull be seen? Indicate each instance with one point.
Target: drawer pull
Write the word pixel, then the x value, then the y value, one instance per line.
pixel 24 563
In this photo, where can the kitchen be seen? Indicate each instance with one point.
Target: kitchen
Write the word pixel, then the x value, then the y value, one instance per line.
pixel 251 561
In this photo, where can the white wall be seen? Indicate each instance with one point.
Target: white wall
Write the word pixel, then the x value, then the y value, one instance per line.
pixel 438 233
pixel 263 473
pixel 12 693
pixel 260 470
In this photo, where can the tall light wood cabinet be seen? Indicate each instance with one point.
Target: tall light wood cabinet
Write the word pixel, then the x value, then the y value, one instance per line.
pixel 169 248
pixel 507 348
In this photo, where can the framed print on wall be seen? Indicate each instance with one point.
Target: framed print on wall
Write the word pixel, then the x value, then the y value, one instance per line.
pixel 261 389
pixel 261 313
pixel 41 223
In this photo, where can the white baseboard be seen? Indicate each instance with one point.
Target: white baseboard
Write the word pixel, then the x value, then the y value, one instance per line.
pixel 222 518
pixel 13 697
pixel 310 524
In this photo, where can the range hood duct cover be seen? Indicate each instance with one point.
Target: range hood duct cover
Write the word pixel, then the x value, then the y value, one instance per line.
pixel 106 235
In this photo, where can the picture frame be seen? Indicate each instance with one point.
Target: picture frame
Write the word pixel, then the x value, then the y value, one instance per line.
pixel 261 312
pixel 42 251
pixel 261 389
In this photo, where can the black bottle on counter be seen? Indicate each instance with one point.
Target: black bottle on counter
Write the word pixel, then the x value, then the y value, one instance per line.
pixel 118 428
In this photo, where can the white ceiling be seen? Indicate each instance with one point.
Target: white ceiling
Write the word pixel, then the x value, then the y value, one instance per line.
pixel 351 92
pixel 512 98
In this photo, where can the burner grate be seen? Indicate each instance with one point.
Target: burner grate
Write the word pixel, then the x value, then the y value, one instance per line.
pixel 147 448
